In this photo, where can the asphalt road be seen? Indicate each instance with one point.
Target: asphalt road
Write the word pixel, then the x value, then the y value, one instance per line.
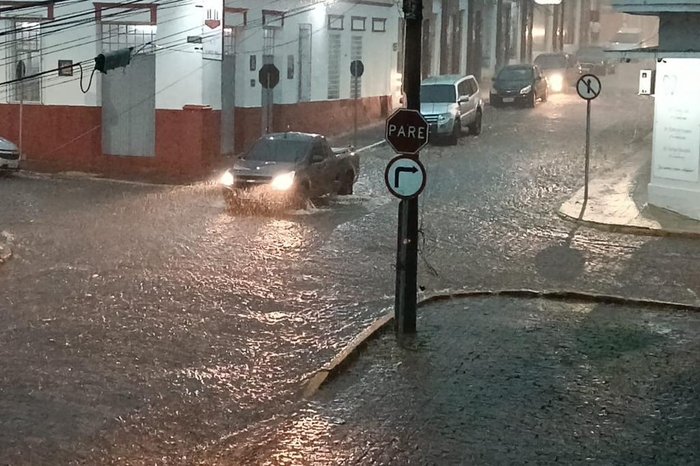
pixel 144 324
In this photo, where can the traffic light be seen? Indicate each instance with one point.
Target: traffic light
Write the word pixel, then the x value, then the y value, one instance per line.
pixel 111 60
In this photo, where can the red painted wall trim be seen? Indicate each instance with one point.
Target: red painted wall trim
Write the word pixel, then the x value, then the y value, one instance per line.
pixel 153 7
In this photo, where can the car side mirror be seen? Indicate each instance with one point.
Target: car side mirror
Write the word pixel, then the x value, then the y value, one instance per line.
pixel 463 99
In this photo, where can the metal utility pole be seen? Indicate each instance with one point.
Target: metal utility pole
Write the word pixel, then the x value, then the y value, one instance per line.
pixel 407 243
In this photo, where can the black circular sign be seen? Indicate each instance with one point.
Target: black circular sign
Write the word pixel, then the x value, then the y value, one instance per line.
pixel 269 76
pixel 357 68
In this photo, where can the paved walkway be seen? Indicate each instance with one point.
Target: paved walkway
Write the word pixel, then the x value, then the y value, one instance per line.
pixel 366 136
pixel 509 381
pixel 619 198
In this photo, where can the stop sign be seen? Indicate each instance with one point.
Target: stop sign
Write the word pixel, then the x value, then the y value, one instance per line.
pixel 406 131
pixel 269 76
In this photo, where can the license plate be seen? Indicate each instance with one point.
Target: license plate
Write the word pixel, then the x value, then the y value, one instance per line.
pixel 508 99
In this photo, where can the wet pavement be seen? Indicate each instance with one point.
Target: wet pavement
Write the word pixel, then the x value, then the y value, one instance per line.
pixel 506 381
pixel 146 324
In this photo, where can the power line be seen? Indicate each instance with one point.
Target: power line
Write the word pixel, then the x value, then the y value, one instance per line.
pixel 67 26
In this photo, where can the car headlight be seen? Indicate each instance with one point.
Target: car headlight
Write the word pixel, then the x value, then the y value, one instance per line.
pixel 556 82
pixel 526 89
pixel 283 182
pixel 226 179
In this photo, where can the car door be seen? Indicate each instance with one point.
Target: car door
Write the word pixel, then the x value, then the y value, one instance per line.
pixel 475 93
pixel 463 91
pixel 319 168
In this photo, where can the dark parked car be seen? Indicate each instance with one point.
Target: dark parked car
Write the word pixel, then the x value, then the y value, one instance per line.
pixel 519 84
pixel 561 69
pixel 290 168
pixel 592 59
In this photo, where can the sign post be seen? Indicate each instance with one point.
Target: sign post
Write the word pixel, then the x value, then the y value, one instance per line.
pixel 588 88
pixel 269 77
pixel 407 133
pixel 357 69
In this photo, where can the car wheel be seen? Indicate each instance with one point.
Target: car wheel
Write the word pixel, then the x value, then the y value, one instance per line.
pixel 301 197
pixel 456 130
pixel 233 203
pixel 346 184
pixel 532 100
pixel 475 128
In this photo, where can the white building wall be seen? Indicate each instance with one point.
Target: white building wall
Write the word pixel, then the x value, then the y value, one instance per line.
pixel 184 77
pixel 180 75
pixel 379 56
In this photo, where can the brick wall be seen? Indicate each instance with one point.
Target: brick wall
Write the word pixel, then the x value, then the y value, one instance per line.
pixel 69 138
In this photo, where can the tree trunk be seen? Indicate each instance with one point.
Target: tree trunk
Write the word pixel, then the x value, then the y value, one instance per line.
pixel 523 29
pixel 499 35
pixel 530 20
pixel 555 28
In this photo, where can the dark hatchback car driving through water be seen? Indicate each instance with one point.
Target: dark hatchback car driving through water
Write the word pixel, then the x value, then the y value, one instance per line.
pixel 290 169
pixel 519 84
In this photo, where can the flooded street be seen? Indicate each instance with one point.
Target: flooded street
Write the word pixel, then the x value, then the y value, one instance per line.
pixel 144 324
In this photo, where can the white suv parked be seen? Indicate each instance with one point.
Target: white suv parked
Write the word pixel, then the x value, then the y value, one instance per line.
pixel 9 155
pixel 451 103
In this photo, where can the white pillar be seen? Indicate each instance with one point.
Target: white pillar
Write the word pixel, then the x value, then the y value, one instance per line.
pixel 577 24
pixel 675 172
pixel 463 6
pixel 437 36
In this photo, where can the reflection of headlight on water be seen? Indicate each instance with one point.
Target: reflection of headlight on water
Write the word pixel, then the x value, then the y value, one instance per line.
pixel 283 182
pixel 226 179
pixel 556 82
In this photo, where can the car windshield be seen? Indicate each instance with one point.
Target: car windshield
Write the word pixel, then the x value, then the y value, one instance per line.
pixel 278 150
pixel 550 61
pixel 433 93
pixel 627 37
pixel 591 54
pixel 515 74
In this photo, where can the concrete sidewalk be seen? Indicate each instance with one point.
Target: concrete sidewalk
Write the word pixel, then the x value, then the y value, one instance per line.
pixel 509 381
pixel 618 201
pixel 366 136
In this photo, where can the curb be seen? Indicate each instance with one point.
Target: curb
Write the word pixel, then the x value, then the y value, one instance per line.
pixel 351 350
pixel 371 146
pixel 630 229
pixel 91 177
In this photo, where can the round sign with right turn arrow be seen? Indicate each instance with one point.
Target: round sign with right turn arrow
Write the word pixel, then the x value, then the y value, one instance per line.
pixel 405 177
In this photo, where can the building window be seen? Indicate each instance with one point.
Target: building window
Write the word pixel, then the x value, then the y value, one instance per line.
pixel 378 24
pixel 122 36
pixel 253 65
pixel 356 54
pixel 358 23
pixel 65 67
pixel 290 66
pixel 27 61
pixel 335 22
pixel 334 66
pixel 268 43
pixel 273 19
